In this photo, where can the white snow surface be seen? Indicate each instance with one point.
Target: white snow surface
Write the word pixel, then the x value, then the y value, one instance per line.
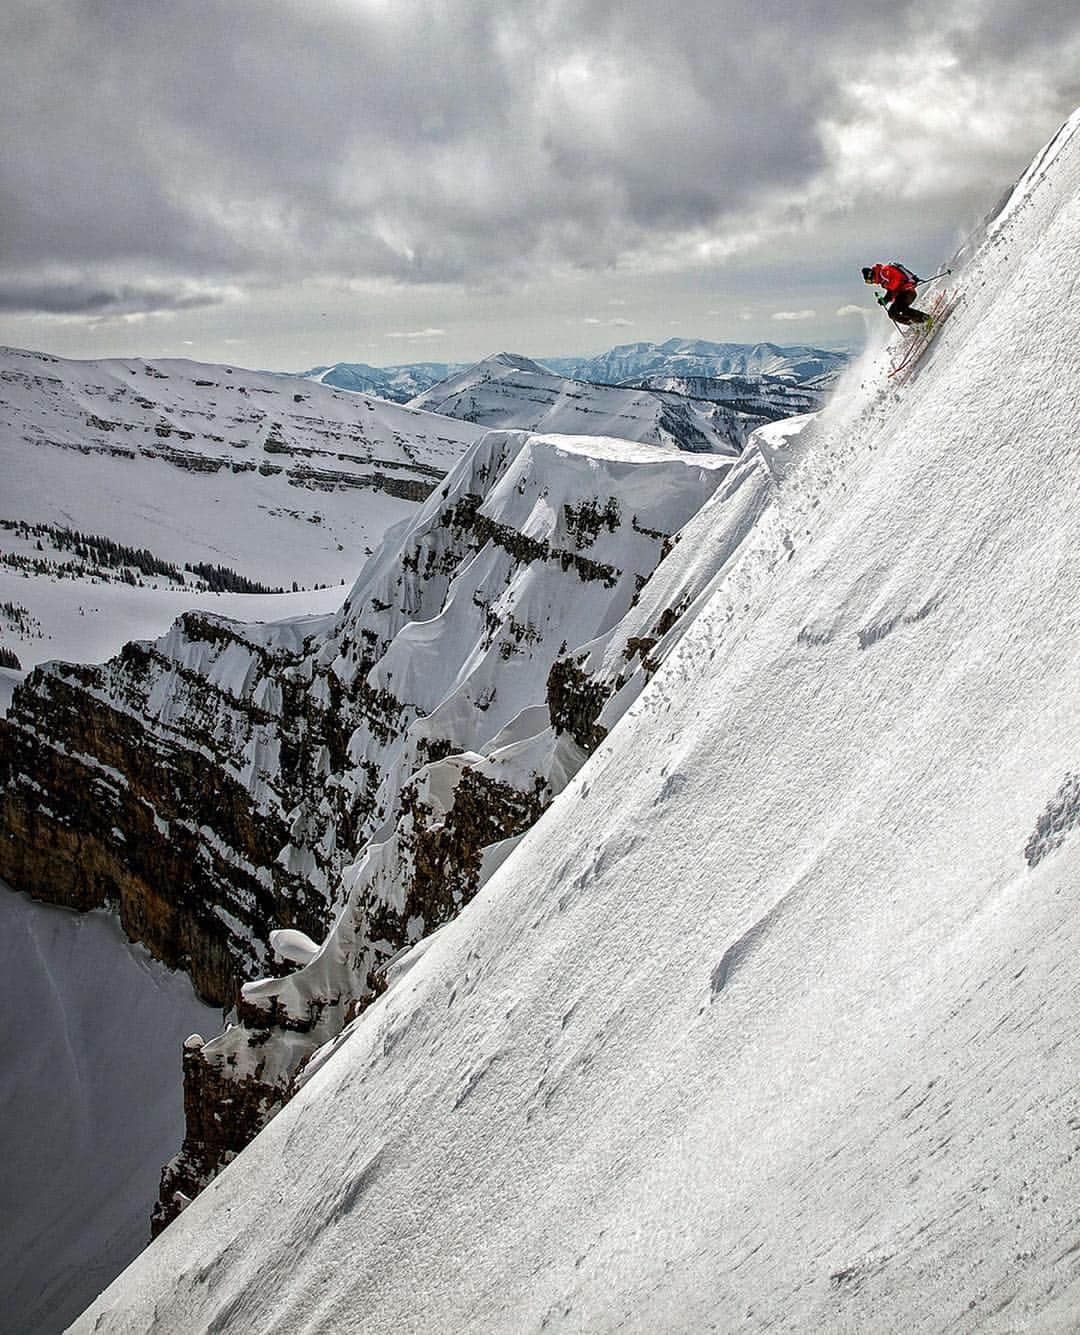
pixel 90 1104
pixel 770 1022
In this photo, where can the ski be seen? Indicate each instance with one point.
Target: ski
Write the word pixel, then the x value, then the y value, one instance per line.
pixel 911 351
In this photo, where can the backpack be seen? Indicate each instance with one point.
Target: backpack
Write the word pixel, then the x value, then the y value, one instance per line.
pixel 911 277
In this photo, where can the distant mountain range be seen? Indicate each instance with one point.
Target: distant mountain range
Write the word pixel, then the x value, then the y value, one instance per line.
pixel 396 383
pixel 630 363
pixel 508 390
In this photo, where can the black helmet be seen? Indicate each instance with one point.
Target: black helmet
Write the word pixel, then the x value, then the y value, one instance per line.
pixel 868 275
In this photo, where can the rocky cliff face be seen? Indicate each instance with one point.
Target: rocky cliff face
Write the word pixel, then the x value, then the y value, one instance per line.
pixel 358 774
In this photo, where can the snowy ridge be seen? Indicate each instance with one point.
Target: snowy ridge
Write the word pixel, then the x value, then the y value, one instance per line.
pixel 509 391
pixel 488 701
pixel 768 1022
pixel 454 745
pixel 305 720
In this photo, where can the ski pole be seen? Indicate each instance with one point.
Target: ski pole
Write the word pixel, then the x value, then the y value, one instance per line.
pixel 934 278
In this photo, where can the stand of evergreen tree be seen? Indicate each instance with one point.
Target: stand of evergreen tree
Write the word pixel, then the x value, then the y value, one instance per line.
pixel 220 579
pixel 98 555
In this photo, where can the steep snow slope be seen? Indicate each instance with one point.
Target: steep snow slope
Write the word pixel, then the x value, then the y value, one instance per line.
pixel 511 391
pixel 92 1030
pixel 770 1021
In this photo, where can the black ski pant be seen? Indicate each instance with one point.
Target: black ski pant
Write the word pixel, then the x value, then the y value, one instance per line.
pixel 902 311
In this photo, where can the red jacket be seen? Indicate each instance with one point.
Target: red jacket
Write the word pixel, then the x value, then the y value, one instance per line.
pixel 891 279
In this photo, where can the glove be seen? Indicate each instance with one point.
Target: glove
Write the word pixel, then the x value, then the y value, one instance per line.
pixel 883 300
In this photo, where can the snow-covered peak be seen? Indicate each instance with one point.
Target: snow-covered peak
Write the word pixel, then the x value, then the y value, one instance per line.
pixel 507 391
pixel 516 362
pixel 396 383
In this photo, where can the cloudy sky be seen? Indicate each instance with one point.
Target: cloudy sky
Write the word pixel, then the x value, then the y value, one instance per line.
pixel 281 183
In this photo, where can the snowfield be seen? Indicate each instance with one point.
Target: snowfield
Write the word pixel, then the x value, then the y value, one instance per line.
pixel 770 1022
pixel 278 479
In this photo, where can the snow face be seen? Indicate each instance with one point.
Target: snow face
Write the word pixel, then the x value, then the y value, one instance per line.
pixel 508 391
pixel 90 1101
pixel 770 1021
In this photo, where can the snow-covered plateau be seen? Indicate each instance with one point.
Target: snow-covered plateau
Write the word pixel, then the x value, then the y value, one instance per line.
pixel 261 472
pixel 134 489
pixel 768 1022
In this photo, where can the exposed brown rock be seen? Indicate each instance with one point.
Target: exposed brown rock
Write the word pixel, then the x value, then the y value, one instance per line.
pixel 574 703
pixel 212 1140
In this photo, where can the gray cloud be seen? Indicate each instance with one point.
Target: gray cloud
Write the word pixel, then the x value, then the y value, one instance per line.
pixel 61 296
pixel 153 146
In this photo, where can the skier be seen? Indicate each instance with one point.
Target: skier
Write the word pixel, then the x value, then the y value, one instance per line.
pixel 900 285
